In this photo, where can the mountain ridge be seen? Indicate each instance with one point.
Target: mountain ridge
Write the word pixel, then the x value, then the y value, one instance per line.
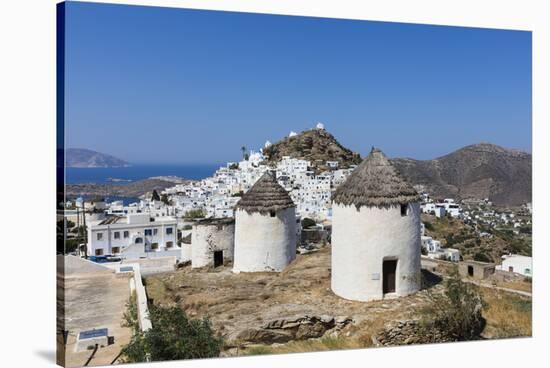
pixel 481 170
pixel 477 171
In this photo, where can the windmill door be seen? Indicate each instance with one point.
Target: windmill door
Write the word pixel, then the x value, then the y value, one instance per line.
pixel 388 276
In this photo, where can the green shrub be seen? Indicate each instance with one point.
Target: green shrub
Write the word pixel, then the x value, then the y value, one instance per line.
pixel 196 213
pixel 173 336
pixel 482 257
pixel 307 222
pixel 457 312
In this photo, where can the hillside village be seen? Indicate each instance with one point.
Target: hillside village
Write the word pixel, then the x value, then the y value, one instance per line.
pixel 255 223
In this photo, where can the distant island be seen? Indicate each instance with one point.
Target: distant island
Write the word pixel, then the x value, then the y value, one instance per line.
pixel 85 158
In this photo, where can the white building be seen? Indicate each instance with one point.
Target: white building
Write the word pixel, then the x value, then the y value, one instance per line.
pixel 265 228
pixel 212 242
pixel 518 264
pixel 434 250
pixel 133 236
pixel 375 233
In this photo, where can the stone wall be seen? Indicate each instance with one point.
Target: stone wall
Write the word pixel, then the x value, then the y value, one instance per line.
pixel 408 333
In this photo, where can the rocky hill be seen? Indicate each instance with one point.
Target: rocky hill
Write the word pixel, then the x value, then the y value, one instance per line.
pixel 476 171
pixel 84 158
pixel 315 145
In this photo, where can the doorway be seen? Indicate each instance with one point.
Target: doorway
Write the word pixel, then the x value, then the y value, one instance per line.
pixel 218 258
pixel 471 271
pixel 388 276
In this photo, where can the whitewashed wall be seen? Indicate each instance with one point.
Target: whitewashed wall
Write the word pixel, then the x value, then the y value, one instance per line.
pixel 264 243
pixel 362 240
pixel 208 238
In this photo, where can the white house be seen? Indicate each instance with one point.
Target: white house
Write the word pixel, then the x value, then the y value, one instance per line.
pixel 375 233
pixel 518 264
pixel 134 236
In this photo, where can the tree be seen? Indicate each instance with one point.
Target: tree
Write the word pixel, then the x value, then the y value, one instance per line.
pixel 164 199
pixel 307 222
pixel 155 196
pixel 457 312
pixel 172 336
pixel 245 154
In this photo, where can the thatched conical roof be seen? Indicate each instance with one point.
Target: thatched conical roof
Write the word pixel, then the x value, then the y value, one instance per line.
pixel 265 195
pixel 375 182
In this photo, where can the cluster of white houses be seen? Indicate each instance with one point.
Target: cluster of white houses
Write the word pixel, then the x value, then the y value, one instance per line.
pixel 218 194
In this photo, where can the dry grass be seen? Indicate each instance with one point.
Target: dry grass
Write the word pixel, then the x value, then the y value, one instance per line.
pixel 507 315
pixel 516 285
pixel 304 346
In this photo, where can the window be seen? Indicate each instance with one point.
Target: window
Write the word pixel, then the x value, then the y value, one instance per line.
pixel 404 210
pixel 99 236
pixel 155 246
pixel 155 231
pixel 272 213
pixel 116 250
pixel 99 252
pixel 169 244
pixel 169 230
pixel 139 240
pixel 126 234
pixel 117 235
pixel 148 232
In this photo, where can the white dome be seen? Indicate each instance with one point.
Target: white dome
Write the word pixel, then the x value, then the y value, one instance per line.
pixel 292 133
pixel 320 126
pixel 267 144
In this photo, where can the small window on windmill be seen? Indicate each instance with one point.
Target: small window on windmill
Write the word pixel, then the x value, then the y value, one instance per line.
pixel 272 213
pixel 404 210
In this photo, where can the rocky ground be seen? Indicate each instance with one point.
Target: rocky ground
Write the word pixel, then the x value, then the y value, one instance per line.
pixel 270 308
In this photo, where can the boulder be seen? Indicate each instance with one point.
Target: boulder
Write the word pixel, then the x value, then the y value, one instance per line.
pixel 262 336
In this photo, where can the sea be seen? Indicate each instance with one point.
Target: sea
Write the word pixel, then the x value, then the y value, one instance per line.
pixel 126 175
pixel 121 175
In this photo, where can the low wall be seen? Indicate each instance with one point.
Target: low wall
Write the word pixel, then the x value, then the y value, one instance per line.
pixel 154 265
pixel 136 284
pixel 134 254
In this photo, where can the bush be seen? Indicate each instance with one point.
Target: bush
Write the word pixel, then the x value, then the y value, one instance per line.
pixel 173 336
pixel 196 213
pixel 428 226
pixel 307 222
pixel 457 312
pixel 482 257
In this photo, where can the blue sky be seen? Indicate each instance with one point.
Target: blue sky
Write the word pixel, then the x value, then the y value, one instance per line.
pixel 162 85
